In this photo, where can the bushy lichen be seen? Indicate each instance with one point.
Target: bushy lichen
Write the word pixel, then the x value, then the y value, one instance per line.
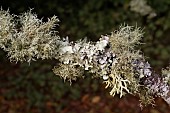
pixel 166 75
pixel 68 72
pixel 114 58
pixel 7 28
pixel 26 37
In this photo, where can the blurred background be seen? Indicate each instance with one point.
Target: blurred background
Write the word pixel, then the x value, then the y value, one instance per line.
pixel 34 88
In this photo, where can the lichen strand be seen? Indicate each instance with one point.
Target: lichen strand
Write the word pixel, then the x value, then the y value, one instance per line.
pixel 122 74
pixel 142 70
pixel 6 28
pixel 166 75
pixel 31 38
pixel 151 84
pixel 158 86
pixel 125 38
pixel 121 77
pixel 68 72
pixel 113 58
pixel 132 69
pixel 145 97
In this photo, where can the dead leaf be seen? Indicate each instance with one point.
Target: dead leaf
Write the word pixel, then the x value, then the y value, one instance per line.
pixel 96 99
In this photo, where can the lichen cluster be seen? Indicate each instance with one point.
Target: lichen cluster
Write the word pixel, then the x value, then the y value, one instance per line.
pixel 114 58
pixel 6 28
pixel 26 38
pixel 166 75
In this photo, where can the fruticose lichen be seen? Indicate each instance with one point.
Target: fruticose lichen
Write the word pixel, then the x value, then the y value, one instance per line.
pixel 114 58
pixel 26 37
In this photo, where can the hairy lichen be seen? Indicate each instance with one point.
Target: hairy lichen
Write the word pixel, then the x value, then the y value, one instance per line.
pixel 114 58
pixel 166 75
pixel 68 72
pixel 7 28
pixel 27 38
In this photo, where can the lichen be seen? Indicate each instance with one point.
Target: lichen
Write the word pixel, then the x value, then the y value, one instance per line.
pixel 26 37
pixel 114 58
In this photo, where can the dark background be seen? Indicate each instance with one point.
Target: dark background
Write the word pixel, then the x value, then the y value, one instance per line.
pixel 34 88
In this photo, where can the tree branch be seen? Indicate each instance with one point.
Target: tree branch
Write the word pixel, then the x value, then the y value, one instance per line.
pixel 113 58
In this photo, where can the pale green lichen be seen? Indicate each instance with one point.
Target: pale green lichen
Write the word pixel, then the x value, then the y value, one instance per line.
pixel 26 37
pixel 166 75
pixel 7 28
pixel 68 72
pixel 123 77
pixel 114 58
pixel 123 42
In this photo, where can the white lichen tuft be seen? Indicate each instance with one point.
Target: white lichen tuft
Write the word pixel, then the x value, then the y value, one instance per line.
pixel 118 85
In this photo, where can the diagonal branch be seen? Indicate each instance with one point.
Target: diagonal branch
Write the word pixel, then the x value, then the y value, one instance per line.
pixel 113 58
